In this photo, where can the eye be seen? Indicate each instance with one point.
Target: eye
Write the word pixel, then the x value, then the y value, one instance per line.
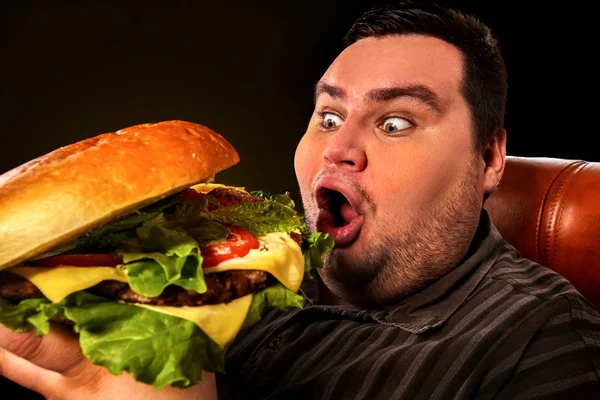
pixel 395 124
pixel 330 120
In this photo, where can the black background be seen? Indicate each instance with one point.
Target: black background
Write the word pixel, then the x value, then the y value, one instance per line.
pixel 71 70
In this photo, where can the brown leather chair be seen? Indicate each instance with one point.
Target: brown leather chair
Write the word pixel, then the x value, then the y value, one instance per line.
pixel 549 210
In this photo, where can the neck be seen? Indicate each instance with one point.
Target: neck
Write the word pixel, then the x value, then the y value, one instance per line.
pixel 324 296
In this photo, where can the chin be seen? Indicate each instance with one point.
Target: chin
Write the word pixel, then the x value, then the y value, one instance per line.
pixel 348 270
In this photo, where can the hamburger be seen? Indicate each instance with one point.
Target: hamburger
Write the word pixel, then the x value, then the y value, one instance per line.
pixel 126 237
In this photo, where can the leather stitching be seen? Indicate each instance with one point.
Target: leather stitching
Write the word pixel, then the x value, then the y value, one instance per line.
pixel 541 211
pixel 551 217
pixel 562 206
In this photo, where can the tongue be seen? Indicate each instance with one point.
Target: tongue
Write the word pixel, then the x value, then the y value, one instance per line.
pixel 347 212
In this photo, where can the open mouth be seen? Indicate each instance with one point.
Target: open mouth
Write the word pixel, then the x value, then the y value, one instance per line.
pixel 339 207
pixel 337 216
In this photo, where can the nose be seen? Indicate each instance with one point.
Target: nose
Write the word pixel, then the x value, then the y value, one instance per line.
pixel 345 150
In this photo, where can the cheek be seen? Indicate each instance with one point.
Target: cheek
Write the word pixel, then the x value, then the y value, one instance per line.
pixel 411 180
pixel 446 168
pixel 306 161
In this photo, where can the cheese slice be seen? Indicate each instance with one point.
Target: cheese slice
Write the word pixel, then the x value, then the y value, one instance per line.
pixel 56 283
pixel 220 322
pixel 278 255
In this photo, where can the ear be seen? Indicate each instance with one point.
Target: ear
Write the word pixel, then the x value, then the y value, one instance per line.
pixel 494 157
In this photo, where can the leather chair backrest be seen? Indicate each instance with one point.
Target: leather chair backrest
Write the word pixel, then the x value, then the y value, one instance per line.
pixel 549 210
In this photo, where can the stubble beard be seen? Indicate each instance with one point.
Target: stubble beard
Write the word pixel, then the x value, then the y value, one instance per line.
pixel 401 261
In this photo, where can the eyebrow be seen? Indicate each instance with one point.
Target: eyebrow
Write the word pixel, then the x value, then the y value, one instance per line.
pixel 325 88
pixel 419 92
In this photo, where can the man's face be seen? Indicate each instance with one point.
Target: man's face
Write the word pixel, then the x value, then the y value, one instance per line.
pixel 388 167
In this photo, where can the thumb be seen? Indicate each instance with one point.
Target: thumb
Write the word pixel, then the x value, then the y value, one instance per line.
pixel 27 374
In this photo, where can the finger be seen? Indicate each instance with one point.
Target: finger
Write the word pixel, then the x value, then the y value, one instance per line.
pixel 27 374
pixel 57 351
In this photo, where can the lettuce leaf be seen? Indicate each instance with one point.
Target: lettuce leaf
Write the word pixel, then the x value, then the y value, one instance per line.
pixel 155 348
pixel 275 296
pixel 116 233
pixel 314 246
pixel 176 261
pixel 259 218
pixel 208 232
pixel 284 199
pixel 28 314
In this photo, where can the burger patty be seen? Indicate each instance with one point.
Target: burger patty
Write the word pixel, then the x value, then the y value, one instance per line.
pixel 222 287
pixel 15 287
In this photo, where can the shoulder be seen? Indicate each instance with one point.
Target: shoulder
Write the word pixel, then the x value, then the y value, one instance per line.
pixel 528 277
pixel 549 298
pixel 554 347
pixel 546 288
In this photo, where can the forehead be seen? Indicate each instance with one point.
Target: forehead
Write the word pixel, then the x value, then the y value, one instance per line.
pixel 398 60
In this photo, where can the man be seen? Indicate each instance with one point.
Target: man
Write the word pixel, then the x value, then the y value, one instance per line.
pixel 421 298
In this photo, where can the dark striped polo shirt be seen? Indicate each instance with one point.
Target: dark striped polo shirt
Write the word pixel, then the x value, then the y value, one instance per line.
pixel 498 326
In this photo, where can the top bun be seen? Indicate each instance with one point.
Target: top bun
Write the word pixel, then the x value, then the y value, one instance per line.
pixel 55 198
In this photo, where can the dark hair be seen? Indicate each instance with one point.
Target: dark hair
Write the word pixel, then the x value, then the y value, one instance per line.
pixel 484 82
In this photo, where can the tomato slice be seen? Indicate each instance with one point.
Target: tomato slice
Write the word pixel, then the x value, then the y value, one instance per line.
pixel 78 260
pixel 238 244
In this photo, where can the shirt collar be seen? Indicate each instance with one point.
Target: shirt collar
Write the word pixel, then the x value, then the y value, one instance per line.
pixel 434 305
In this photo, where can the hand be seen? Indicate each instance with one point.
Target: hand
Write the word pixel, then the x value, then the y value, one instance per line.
pixel 54 366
